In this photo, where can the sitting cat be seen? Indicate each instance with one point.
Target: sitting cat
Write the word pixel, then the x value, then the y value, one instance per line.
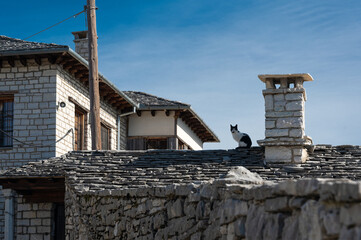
pixel 242 138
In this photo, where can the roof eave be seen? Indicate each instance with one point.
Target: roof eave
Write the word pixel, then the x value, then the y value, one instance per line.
pixel 216 139
pixel 86 64
pixel 34 51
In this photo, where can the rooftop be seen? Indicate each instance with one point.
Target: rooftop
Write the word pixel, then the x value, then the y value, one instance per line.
pixel 146 100
pixel 100 170
pixel 8 44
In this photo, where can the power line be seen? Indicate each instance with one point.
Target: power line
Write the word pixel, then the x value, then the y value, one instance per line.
pixel 75 15
pixel 34 145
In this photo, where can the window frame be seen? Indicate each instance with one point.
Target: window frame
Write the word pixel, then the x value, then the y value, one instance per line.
pixel 6 98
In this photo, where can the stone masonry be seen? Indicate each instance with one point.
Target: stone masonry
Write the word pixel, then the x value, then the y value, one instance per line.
pixel 38 121
pixel 167 194
pixel 293 209
pixel 33 220
pixel 285 120
pixel 81 43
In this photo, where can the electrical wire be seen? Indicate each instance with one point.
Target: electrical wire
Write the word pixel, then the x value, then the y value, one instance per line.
pixel 75 15
pixel 34 145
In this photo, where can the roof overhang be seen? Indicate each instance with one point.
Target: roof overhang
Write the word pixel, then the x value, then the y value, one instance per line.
pixel 76 65
pixel 36 189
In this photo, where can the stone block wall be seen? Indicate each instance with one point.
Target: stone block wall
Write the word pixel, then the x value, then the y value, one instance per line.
pixel 284 114
pixel 32 220
pixel 303 209
pixel 37 90
pixel 34 90
pixel 67 87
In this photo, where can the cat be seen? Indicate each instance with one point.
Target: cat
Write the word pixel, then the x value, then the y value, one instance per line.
pixel 244 141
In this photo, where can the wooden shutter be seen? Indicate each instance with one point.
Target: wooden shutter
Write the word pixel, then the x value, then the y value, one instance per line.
pixel 79 129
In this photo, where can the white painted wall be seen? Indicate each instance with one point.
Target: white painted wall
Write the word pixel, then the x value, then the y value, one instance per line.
pixel 186 134
pixel 147 125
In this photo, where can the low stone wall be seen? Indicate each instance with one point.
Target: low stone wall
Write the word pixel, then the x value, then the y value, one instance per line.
pixel 302 209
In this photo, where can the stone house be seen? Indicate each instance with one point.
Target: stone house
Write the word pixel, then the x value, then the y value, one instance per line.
pixel 44 104
pixel 44 94
pixel 285 189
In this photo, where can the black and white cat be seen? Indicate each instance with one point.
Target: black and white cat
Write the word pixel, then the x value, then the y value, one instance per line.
pixel 242 138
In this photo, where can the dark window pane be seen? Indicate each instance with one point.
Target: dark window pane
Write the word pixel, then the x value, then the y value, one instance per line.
pixel 156 144
pixel 105 137
pixel 6 122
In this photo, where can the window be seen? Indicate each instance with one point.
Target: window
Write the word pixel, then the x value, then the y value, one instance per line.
pixel 144 143
pixel 156 143
pixel 6 120
pixel 105 133
pixel 80 117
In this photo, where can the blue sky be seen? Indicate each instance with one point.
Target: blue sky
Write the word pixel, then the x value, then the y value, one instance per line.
pixel 209 52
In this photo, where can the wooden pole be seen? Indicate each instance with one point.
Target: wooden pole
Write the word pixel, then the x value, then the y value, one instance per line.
pixel 93 76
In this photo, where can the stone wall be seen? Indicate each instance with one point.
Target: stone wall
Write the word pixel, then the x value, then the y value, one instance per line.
pixel 67 87
pixel 38 121
pixel 32 220
pixel 302 209
pixel 34 90
pixel 37 90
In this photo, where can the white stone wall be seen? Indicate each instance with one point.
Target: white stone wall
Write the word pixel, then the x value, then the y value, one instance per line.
pixel 67 87
pixel 34 111
pixel 37 119
pixel 284 114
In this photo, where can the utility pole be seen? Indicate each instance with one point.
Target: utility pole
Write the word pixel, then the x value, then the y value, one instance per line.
pixel 93 76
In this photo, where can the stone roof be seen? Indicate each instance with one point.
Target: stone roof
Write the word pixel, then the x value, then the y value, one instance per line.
pixel 13 44
pixel 148 100
pixel 100 170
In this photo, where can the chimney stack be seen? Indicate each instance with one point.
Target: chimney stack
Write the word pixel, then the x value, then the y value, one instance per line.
pixel 81 43
pixel 285 98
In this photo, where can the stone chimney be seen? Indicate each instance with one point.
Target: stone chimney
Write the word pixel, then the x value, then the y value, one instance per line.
pixel 285 98
pixel 81 43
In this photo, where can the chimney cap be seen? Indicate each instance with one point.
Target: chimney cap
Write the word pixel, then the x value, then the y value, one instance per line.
pixel 304 76
pixel 80 34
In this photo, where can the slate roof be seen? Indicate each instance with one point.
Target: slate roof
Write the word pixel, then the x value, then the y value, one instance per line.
pixel 96 171
pixel 8 44
pixel 146 100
